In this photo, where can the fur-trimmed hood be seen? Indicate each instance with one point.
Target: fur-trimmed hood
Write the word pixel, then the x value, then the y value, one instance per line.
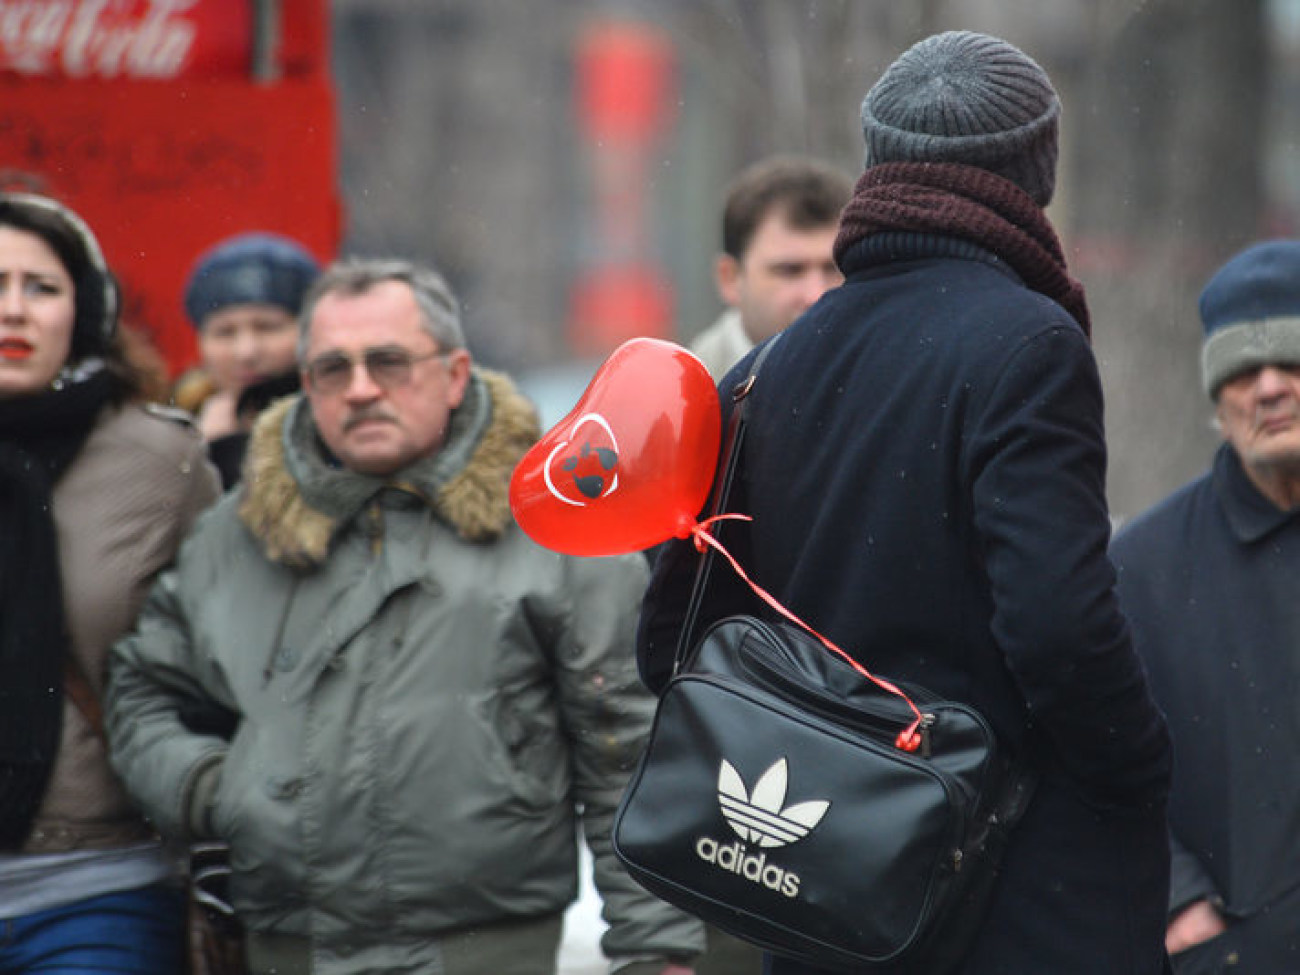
pixel 295 499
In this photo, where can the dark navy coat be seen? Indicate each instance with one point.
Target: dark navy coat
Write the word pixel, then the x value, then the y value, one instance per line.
pixel 925 468
pixel 1210 578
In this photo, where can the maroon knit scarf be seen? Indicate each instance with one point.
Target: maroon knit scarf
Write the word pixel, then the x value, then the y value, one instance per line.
pixel 969 203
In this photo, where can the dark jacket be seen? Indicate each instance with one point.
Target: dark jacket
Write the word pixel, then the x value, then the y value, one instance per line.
pixel 1209 579
pixel 925 468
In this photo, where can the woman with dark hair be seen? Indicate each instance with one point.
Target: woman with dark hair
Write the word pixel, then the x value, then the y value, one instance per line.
pixel 97 489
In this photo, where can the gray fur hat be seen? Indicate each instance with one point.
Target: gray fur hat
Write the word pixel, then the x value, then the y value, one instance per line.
pixel 962 97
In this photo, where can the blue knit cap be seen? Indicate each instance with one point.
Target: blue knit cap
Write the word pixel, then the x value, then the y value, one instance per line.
pixel 1251 312
pixel 256 268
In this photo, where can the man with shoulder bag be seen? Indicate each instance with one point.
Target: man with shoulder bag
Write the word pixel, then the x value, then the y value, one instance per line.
pixel 924 465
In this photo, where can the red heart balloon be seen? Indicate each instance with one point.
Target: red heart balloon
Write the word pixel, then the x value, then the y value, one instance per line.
pixel 631 465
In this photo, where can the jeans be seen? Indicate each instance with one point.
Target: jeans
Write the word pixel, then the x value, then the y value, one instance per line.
pixel 131 932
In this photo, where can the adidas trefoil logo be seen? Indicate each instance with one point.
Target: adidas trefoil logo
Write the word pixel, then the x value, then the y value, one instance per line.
pixel 758 817
pixel 763 819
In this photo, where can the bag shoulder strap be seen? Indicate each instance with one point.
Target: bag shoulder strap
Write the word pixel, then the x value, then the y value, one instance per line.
pixel 729 460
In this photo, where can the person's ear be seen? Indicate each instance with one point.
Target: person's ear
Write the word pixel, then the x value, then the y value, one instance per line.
pixel 458 363
pixel 726 275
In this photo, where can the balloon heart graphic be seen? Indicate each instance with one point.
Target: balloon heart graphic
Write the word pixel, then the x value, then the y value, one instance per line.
pixel 592 470
pixel 632 463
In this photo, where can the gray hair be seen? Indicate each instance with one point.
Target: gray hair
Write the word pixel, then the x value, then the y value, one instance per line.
pixel 440 314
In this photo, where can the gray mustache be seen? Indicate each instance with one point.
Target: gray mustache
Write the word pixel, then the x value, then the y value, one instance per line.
pixel 362 416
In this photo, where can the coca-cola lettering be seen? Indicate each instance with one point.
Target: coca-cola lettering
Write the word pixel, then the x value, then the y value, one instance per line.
pixel 30 31
pixel 97 38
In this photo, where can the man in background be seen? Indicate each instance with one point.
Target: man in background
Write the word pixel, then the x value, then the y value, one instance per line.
pixel 1208 578
pixel 778 227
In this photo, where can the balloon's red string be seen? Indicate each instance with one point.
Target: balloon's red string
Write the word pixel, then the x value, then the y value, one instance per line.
pixel 909 738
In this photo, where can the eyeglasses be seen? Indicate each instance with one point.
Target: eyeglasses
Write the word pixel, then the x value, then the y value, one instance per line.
pixel 388 368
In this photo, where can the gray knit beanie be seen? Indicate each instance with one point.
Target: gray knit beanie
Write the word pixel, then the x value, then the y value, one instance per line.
pixel 962 97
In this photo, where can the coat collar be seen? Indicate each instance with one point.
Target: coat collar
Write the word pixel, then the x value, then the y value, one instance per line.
pixel 1250 515
pixel 295 499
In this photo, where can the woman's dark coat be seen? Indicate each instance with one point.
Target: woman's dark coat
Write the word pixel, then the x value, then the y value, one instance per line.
pixel 925 467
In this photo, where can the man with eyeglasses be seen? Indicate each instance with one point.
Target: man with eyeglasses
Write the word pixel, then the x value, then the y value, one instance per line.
pixel 428 703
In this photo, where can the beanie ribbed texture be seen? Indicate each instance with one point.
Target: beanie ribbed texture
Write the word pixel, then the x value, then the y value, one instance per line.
pixel 1251 312
pixel 963 97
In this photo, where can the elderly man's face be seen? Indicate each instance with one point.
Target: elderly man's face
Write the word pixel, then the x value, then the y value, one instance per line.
pixel 1259 414
pixel 377 421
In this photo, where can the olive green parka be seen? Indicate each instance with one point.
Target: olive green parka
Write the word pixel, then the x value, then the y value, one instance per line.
pixel 429 703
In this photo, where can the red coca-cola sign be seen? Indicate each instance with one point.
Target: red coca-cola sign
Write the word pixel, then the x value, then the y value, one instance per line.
pixel 125 39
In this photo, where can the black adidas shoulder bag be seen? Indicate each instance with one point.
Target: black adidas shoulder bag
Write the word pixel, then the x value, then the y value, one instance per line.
pixel 776 798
